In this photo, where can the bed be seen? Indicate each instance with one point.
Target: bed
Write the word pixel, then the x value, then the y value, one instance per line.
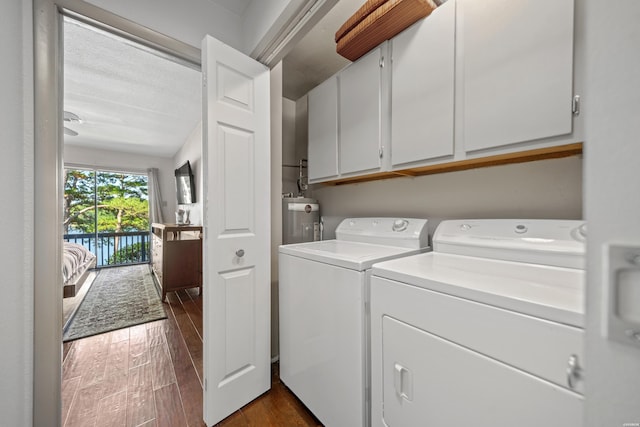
pixel 77 261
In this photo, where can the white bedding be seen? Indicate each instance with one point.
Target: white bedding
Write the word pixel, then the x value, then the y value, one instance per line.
pixel 74 259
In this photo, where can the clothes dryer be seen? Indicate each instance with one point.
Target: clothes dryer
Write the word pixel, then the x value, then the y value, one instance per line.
pixel 486 330
pixel 324 304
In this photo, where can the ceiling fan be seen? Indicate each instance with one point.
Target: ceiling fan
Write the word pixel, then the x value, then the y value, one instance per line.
pixel 71 118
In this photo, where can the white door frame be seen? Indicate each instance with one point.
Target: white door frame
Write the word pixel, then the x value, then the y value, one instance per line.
pixel 48 188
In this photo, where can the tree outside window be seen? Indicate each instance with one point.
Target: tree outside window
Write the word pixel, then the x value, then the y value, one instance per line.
pixel 107 203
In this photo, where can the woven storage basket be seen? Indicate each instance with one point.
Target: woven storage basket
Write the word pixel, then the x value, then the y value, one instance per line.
pixel 357 17
pixel 370 26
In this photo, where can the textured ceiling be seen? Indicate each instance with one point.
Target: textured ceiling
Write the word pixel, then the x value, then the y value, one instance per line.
pixel 236 6
pixel 128 97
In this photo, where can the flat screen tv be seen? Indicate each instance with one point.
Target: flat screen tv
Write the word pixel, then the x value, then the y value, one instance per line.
pixel 185 186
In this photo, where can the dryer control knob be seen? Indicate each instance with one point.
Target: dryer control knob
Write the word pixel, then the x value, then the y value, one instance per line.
pixel 400 225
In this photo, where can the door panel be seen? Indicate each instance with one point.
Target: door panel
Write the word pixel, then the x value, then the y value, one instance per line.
pixel 236 273
pixel 492 393
pixel 240 292
pixel 237 150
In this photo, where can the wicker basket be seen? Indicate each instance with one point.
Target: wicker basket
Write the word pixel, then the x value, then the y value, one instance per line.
pixel 377 21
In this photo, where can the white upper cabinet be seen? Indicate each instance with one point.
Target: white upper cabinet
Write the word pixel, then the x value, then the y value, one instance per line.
pixel 323 131
pixel 474 79
pixel 517 70
pixel 422 89
pixel 360 111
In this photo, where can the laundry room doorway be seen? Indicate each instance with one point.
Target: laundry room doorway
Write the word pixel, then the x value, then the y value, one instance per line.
pixel 236 232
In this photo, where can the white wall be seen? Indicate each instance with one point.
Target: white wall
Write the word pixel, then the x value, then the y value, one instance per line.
pixel 260 21
pixel 190 20
pixel 115 160
pixel 16 220
pixel 289 157
pixel 191 150
pixel 294 142
pixel 612 198
pixel 302 127
pixel 542 189
pixel 186 20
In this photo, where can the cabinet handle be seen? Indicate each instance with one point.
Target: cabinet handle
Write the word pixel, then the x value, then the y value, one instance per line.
pixel 382 62
pixel 240 253
pixel 575 105
pixel 574 371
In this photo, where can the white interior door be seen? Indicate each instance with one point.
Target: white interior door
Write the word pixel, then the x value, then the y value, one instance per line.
pixel 236 222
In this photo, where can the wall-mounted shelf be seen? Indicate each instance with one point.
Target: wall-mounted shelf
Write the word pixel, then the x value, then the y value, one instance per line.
pixel 555 152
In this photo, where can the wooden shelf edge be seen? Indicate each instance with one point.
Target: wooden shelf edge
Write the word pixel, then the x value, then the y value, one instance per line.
pixel 556 152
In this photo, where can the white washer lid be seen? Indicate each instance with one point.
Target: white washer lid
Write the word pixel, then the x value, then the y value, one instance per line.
pixel 548 242
pixel 547 292
pixel 352 255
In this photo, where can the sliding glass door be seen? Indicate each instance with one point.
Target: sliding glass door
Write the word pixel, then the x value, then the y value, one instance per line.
pixel 108 213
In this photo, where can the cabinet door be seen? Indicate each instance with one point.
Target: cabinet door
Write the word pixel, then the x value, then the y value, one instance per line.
pixel 323 131
pixel 431 381
pixel 517 69
pixel 422 83
pixel 360 95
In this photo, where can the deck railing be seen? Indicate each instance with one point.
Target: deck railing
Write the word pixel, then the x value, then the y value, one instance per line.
pixel 112 249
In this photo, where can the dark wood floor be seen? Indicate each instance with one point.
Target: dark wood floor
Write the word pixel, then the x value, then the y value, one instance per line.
pixel 151 375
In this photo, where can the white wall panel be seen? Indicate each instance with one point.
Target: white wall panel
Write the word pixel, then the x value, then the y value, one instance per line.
pixel 188 20
pixel 191 150
pixel 543 189
pixel 16 222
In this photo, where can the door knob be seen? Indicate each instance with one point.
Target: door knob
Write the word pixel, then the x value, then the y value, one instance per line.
pixel 574 371
pixel 240 253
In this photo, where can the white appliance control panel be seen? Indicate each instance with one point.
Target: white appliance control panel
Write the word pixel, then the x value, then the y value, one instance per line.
pixel 549 242
pixel 402 232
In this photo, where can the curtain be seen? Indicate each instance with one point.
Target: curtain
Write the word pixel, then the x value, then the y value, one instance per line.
pixel 155 197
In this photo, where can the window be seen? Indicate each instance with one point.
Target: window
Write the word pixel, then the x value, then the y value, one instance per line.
pixel 108 213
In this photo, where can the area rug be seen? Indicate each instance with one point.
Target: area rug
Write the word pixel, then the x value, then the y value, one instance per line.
pixel 119 297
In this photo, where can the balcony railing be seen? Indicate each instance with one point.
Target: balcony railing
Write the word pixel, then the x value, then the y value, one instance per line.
pixel 115 248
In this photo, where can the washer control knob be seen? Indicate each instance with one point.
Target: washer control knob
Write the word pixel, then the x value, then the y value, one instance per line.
pixel 520 228
pixel 465 227
pixel 400 225
pixel 582 230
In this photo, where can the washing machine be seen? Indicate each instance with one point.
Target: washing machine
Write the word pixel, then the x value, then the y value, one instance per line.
pixel 324 325
pixel 487 330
